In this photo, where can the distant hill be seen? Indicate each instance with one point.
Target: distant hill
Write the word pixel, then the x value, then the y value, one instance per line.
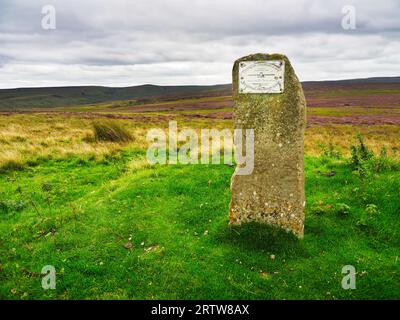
pixel 50 97
pixel 358 81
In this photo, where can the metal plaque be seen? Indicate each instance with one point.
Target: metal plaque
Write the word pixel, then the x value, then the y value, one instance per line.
pixel 261 76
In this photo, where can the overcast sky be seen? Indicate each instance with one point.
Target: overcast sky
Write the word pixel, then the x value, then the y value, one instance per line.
pixel 125 42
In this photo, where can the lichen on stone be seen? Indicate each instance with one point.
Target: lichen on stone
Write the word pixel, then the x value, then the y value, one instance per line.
pixel 278 120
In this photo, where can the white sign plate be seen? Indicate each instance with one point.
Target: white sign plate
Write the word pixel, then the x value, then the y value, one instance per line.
pixel 261 76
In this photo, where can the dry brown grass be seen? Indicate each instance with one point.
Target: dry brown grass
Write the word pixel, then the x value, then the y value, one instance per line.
pixel 342 136
pixel 29 138
pixel 111 131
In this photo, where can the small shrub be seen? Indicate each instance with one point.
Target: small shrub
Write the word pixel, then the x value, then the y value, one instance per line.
pixel 342 209
pixel 371 209
pixel 12 205
pixel 360 153
pixel 110 131
pixel 330 151
pixel 383 162
pixel 321 208
pixel 362 222
pixel 46 187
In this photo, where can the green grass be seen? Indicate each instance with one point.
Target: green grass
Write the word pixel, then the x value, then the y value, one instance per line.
pixel 78 215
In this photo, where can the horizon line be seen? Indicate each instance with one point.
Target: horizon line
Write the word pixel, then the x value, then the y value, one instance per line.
pixel 190 85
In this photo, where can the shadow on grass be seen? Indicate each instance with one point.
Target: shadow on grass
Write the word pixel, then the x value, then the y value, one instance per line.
pixel 260 237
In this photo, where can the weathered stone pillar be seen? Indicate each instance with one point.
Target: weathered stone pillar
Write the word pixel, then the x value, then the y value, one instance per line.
pixel 269 99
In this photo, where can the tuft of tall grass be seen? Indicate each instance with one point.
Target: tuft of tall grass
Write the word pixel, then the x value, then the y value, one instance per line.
pixel 110 131
pixel 11 165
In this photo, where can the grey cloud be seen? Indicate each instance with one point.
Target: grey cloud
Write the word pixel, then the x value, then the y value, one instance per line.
pixel 170 42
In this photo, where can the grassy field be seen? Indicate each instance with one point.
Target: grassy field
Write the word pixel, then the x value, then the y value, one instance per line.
pixel 26 139
pixel 119 228
pixel 116 227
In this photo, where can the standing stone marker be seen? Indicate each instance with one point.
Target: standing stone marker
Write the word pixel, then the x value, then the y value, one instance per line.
pixel 269 99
